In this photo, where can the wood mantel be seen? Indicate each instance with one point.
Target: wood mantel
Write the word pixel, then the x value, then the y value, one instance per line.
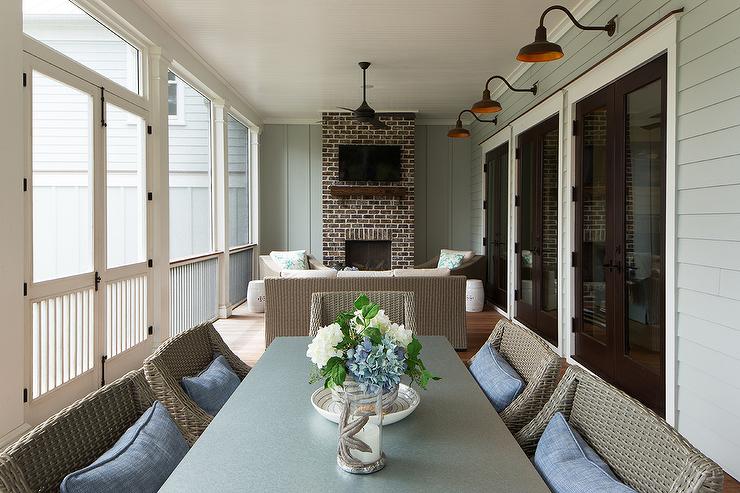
pixel 367 191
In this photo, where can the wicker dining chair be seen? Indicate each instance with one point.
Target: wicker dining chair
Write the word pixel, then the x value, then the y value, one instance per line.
pixel 186 355
pixel 535 362
pixel 398 305
pixel 641 448
pixel 74 437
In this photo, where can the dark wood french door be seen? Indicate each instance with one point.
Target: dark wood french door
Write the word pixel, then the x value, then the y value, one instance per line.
pixel 497 225
pixel 537 229
pixel 620 233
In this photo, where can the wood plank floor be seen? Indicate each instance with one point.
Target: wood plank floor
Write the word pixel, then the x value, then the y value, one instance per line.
pixel 244 333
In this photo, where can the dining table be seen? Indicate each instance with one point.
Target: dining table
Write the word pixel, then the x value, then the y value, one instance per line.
pixel 268 436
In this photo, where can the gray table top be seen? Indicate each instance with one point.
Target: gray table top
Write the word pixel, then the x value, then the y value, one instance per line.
pixel 268 437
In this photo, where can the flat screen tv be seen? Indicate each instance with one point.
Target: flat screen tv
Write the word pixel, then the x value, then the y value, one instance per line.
pixel 369 163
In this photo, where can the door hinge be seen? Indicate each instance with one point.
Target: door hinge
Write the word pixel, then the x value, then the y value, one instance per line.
pixel 573 194
pixel 516 247
pixel 25 84
pixel 575 127
pixel 516 295
pixel 485 205
pixel 97 280
pixel 149 129
pixel 150 196
pixel 573 324
pixel 485 167
pixel 150 262
pixel 573 256
pixel 25 395
pixel 516 200
pixel 484 241
pixel 150 330
pixel 517 153
pixel 25 289
pixel 25 184
pixel 103 359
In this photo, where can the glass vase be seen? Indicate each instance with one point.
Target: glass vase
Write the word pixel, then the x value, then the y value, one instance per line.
pixel 360 448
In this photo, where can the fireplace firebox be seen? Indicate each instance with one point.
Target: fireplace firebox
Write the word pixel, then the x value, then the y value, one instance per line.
pixel 368 254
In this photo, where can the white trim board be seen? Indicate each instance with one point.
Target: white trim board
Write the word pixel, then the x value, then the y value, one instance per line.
pixel 660 39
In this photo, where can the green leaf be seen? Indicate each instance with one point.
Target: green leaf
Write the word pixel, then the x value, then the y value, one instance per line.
pixel 373 311
pixel 361 301
pixel 374 334
pixel 414 348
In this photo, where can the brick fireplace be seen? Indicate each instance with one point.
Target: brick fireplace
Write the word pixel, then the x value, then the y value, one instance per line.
pixel 368 215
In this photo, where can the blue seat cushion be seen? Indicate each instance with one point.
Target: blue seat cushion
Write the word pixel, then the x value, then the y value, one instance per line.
pixel 569 465
pixel 499 381
pixel 141 460
pixel 213 386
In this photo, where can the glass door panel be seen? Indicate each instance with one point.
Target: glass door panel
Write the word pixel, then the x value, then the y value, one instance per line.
pixel 527 204
pixel 497 224
pixel 643 242
pixel 62 174
pixel 549 224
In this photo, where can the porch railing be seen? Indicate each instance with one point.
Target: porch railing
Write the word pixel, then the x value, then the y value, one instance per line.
pixel 240 273
pixel 193 292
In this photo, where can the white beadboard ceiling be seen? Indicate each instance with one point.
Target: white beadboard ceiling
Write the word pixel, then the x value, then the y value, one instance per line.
pixel 291 59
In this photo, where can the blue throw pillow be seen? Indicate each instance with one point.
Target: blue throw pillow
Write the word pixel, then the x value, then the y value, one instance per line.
pixel 498 380
pixel 141 460
pixel 569 465
pixel 213 386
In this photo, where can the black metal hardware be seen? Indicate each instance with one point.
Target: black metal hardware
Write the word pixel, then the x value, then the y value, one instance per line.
pixel 149 129
pixel 25 289
pixel 103 123
pixel 485 204
pixel 103 359
pixel 25 83
pixel 516 247
pixel 25 184
pixel 150 262
pixel 517 153
pixel 150 330
pixel 575 127
pixel 25 395
pixel 573 256
pixel 484 241
pixel 150 196
pixel 573 194
pixel 516 294
pixel 97 280
pixel 516 200
pixel 573 324
pixel 485 167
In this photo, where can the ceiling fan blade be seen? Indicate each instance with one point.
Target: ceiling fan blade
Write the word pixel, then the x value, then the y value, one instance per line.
pixel 378 124
pixel 346 109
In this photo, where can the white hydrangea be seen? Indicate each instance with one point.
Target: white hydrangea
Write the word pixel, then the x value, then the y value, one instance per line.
pixel 322 349
pixel 400 334
pixel 381 321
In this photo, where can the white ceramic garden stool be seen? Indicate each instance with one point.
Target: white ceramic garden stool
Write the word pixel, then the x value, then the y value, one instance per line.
pixel 475 295
pixel 256 296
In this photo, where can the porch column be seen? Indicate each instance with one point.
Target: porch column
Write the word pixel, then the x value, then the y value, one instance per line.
pixel 221 203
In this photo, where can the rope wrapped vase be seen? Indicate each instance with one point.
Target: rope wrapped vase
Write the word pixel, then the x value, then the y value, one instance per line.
pixel 361 428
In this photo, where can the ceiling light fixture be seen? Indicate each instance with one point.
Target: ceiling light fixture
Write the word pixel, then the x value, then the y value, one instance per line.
pixel 459 132
pixel 488 105
pixel 541 50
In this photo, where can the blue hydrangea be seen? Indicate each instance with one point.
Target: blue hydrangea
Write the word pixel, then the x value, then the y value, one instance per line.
pixel 376 366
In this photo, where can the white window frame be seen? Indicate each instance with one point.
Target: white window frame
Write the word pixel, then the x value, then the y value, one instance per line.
pixel 179 117
pixel 243 121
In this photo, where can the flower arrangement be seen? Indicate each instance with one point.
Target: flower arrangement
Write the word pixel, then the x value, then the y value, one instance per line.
pixel 366 345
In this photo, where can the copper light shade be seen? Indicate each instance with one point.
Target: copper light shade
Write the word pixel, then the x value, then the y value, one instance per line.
pixel 459 132
pixel 541 50
pixel 488 105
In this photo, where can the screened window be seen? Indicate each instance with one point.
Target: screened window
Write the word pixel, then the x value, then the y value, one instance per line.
pixel 175 100
pixel 65 27
pixel 190 177
pixel 238 143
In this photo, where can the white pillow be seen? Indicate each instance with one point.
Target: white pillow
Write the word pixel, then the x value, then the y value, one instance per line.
pixel 308 273
pixel 365 273
pixel 295 259
pixel 440 272
pixel 467 254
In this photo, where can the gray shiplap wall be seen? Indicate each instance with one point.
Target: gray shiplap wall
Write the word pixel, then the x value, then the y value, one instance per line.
pixel 708 197
pixel 290 189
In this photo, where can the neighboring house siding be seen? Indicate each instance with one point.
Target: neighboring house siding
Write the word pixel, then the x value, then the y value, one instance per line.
pixel 708 187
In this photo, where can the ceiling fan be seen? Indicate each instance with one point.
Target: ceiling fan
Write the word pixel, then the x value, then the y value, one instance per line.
pixel 364 113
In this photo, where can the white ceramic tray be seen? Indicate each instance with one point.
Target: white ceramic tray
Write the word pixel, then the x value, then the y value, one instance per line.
pixel 408 400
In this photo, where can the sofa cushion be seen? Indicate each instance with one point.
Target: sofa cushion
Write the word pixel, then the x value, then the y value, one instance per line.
pixel 141 460
pixel 450 260
pixel 295 259
pixel 314 273
pixel 467 254
pixel 499 381
pixel 569 465
pixel 365 273
pixel 421 272
pixel 213 386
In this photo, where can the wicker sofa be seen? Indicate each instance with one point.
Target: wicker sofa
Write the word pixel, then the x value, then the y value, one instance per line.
pixel 537 364
pixel 475 268
pixel 186 355
pixel 270 268
pixel 439 303
pixel 398 305
pixel 75 437
pixel 641 448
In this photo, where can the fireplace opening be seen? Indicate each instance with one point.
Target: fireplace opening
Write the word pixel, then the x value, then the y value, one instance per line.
pixel 368 254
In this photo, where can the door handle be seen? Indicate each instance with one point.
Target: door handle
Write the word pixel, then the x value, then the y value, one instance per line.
pixel 611 266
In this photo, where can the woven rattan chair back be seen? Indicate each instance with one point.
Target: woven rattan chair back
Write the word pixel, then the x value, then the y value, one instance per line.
pixel 74 437
pixel 186 355
pixel 640 447
pixel 398 305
